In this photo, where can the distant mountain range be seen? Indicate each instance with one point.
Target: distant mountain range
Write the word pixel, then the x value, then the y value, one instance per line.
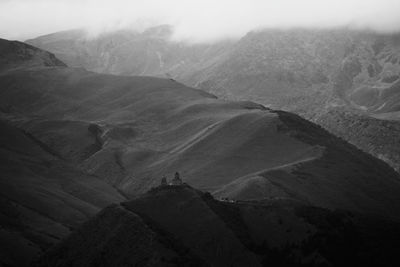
pixel 73 141
pixel 339 78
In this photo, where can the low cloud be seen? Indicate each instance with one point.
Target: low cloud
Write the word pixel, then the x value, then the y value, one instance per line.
pixel 196 21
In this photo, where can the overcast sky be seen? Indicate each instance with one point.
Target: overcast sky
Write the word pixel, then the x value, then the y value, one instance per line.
pixel 203 20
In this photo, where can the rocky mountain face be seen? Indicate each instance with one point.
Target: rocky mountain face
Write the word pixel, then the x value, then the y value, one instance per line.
pixel 180 226
pixel 327 76
pixel 74 141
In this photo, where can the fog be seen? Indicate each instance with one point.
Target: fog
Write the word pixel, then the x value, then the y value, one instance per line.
pixel 196 21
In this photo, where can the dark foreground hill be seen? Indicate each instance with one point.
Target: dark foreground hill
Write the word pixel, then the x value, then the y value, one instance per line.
pixel 180 226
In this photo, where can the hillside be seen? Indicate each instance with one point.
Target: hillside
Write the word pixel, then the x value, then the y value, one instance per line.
pixel 180 226
pixel 142 128
pixel 42 196
pixel 17 54
pixel 117 237
pixel 314 73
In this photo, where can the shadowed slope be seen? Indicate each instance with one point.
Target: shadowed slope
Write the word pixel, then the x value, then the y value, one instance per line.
pixel 183 213
pixel 180 226
pixel 41 196
pixel 118 237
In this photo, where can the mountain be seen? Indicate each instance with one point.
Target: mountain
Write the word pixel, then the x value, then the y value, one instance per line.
pixel 74 141
pixel 180 226
pixel 130 131
pixel 337 78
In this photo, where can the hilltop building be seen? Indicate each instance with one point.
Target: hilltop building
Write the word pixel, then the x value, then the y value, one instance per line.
pixel 177 180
